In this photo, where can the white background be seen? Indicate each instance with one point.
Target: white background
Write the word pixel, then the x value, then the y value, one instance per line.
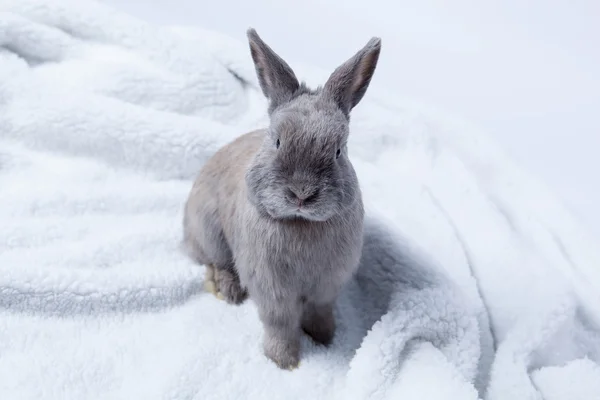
pixel 527 72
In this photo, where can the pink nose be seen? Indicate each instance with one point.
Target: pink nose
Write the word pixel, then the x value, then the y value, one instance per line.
pixel 301 196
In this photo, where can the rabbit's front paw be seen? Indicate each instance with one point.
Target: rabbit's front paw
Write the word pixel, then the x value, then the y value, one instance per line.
pixel 285 354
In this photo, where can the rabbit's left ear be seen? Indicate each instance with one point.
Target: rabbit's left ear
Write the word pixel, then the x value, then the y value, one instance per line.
pixel 277 80
pixel 349 82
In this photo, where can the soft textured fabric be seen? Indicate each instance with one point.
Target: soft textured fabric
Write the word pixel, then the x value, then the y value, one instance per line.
pixel 475 282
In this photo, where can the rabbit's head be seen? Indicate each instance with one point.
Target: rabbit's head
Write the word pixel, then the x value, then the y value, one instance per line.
pixel 302 169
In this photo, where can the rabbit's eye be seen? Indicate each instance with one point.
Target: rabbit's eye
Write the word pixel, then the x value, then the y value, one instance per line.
pixel 337 153
pixel 277 143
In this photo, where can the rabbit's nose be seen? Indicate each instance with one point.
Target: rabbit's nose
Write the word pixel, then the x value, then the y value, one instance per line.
pixel 302 195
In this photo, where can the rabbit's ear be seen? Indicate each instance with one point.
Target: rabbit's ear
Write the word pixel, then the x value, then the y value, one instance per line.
pixel 349 82
pixel 277 80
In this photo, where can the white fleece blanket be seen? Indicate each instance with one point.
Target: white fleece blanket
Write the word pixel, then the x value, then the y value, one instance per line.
pixel 475 282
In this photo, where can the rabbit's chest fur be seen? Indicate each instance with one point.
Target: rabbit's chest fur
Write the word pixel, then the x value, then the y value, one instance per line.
pixel 311 260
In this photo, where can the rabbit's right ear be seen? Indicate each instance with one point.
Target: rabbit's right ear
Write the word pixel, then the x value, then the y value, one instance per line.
pixel 277 80
pixel 349 82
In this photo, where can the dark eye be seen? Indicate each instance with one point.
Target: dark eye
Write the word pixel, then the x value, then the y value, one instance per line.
pixel 277 143
pixel 337 153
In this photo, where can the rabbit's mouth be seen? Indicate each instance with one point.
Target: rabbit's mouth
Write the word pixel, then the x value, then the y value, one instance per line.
pixel 300 213
pixel 308 214
pixel 296 212
pixel 306 209
pixel 282 205
pixel 307 218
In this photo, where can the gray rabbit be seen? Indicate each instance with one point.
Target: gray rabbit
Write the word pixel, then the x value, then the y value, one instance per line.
pixel 277 214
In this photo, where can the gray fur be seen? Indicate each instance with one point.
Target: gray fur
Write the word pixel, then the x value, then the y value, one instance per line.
pixel 285 223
